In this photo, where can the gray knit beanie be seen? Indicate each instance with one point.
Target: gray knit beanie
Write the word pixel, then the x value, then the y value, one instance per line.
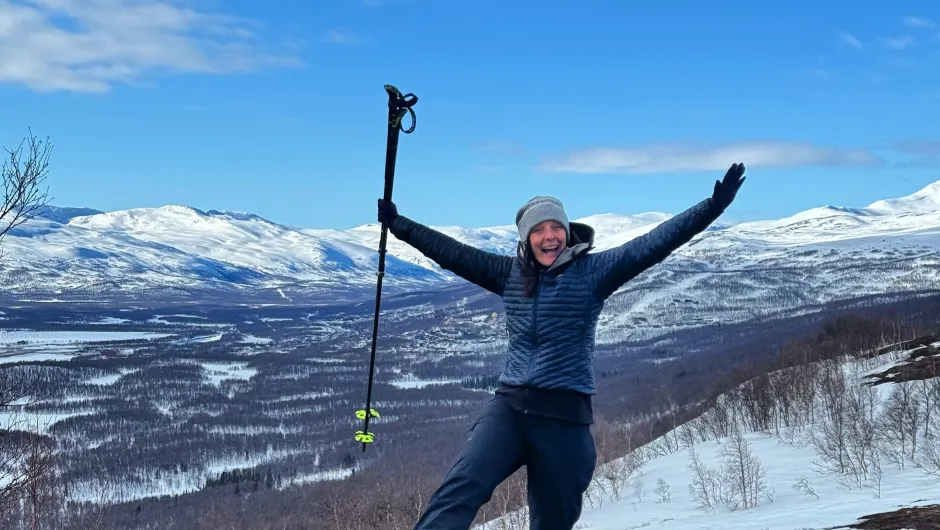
pixel 537 210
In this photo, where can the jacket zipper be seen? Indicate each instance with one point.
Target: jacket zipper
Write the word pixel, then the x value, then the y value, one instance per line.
pixel 535 318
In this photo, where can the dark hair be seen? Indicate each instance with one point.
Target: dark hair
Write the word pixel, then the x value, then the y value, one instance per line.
pixel 529 268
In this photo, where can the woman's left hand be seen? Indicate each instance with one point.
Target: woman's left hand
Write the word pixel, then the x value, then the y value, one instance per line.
pixel 727 188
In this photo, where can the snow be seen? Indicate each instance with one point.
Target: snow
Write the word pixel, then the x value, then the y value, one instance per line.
pixel 111 320
pixel 410 381
pixel 171 483
pixel 926 199
pixel 35 357
pixel 302 397
pixel 201 339
pixel 252 339
pixel 65 337
pixel 161 319
pixel 104 380
pixel 321 476
pixel 23 345
pixel 785 465
pixel 39 422
pixel 218 372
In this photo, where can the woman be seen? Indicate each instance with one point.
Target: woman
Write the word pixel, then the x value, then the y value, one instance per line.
pixel 553 291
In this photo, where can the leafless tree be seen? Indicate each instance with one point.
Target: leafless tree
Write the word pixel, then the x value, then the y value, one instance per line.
pixel 339 509
pixel 511 504
pixel 23 176
pixel 876 475
pixel 718 418
pixel 638 488
pixel 663 491
pixel 929 398
pixel 900 424
pixel 42 494
pixel 913 415
pixel 744 473
pixel 688 434
pixel 706 486
pixel 27 457
pixel 32 499
pixel 596 492
pixel 832 388
pixel 802 485
pixel 929 456
pixel 830 440
pixel 756 400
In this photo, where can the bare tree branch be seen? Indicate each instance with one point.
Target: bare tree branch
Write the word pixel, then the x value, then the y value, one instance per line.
pixel 22 177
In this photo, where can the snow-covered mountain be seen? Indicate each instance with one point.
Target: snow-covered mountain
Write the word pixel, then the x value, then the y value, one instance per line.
pixel 814 256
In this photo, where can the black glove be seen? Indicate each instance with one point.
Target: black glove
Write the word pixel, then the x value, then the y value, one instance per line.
pixel 387 212
pixel 727 188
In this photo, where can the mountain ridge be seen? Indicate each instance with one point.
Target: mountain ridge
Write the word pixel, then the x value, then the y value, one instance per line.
pixel 188 252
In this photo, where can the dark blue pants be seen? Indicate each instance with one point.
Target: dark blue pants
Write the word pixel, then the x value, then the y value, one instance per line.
pixel 559 457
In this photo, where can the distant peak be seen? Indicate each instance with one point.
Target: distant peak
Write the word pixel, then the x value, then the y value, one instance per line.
pixel 239 215
pixel 927 199
pixel 932 189
pixel 63 214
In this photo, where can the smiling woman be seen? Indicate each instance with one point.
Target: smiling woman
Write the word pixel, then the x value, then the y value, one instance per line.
pixel 554 290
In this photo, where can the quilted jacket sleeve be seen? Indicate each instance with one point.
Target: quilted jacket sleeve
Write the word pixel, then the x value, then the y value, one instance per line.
pixel 486 269
pixel 612 268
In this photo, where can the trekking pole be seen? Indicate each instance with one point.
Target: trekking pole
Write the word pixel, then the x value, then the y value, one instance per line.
pixel 398 106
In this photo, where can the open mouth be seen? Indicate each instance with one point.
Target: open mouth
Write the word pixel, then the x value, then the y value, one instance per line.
pixel 550 250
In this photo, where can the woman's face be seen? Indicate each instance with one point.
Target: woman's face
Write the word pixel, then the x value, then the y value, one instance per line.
pixel 547 240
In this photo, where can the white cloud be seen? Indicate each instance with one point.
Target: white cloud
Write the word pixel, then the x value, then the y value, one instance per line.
pixel 918 22
pixel 850 40
pixel 900 42
pixel 89 45
pixel 668 158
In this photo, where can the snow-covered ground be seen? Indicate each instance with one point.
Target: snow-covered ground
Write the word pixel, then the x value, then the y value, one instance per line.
pixel 218 372
pixel 175 482
pixel 821 502
pixel 64 337
pixel 252 339
pixel 411 381
pixel 35 346
pixel 796 490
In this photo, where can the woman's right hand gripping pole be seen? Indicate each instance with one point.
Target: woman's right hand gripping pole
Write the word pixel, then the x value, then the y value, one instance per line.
pixel 486 269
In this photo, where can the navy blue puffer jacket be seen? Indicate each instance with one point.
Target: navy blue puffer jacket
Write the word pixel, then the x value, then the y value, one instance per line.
pixel 552 332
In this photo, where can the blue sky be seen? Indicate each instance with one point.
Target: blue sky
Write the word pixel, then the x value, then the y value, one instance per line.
pixel 277 108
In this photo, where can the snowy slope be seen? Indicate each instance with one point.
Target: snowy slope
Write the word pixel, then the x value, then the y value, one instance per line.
pixel 812 257
pixel 178 246
pixel 798 488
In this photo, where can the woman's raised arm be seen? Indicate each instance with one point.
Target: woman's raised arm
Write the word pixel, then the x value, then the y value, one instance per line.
pixel 614 267
pixel 486 269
